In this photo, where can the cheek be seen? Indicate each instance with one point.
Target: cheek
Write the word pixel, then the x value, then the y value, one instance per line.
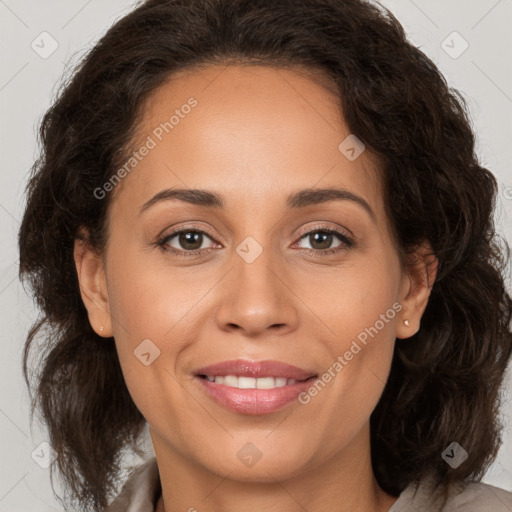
pixel 356 297
pixel 156 317
pixel 147 298
pixel 361 309
pixel 151 329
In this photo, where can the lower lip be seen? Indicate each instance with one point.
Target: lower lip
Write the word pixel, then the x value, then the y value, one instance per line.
pixel 254 401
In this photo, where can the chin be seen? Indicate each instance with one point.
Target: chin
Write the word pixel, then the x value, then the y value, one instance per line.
pixel 251 464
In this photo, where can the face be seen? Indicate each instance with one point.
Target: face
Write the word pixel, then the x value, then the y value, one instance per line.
pixel 256 267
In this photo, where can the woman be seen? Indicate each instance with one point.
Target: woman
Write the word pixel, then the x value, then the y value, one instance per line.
pixel 261 229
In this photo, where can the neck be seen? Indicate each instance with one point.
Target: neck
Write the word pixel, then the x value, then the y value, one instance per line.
pixel 344 483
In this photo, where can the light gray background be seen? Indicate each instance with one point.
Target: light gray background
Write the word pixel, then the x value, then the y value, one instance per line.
pixel 483 73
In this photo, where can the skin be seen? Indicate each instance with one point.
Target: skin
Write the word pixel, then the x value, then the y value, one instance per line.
pixel 256 135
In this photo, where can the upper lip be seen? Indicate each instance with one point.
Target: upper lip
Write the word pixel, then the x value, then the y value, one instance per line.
pixel 256 369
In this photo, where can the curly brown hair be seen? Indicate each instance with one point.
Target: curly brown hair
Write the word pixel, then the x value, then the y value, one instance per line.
pixel 445 381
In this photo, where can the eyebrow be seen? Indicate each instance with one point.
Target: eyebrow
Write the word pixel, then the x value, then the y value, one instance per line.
pixel 299 199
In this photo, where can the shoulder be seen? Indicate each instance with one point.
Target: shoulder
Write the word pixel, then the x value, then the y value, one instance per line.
pixel 480 497
pixel 141 491
pixel 456 497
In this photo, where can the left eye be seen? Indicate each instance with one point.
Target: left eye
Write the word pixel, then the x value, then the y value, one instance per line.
pixel 323 238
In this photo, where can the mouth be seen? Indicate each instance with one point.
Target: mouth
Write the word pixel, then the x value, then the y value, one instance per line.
pixel 254 388
pixel 242 382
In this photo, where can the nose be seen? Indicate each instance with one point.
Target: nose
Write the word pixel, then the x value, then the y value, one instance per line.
pixel 258 296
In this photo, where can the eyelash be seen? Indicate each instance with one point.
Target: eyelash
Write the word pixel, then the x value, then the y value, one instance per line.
pixel 347 241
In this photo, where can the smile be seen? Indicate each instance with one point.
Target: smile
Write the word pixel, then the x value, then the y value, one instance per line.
pixel 253 387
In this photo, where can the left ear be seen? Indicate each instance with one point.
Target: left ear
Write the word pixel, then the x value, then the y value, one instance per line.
pixel 417 284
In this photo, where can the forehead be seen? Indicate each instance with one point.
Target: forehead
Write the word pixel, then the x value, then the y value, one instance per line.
pixel 250 131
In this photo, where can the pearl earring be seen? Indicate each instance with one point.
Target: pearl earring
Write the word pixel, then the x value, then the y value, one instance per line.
pixel 101 328
pixel 406 322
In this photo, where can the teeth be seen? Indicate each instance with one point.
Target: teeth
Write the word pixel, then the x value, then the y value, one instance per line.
pixel 246 382
pixel 229 380
pixel 270 382
pixel 251 382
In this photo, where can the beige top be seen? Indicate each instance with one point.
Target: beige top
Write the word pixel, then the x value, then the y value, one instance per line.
pixel 142 490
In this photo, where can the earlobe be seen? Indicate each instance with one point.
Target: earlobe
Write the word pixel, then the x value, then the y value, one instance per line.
pixel 421 274
pixel 93 287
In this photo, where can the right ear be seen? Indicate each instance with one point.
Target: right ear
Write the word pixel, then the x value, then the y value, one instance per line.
pixel 93 286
